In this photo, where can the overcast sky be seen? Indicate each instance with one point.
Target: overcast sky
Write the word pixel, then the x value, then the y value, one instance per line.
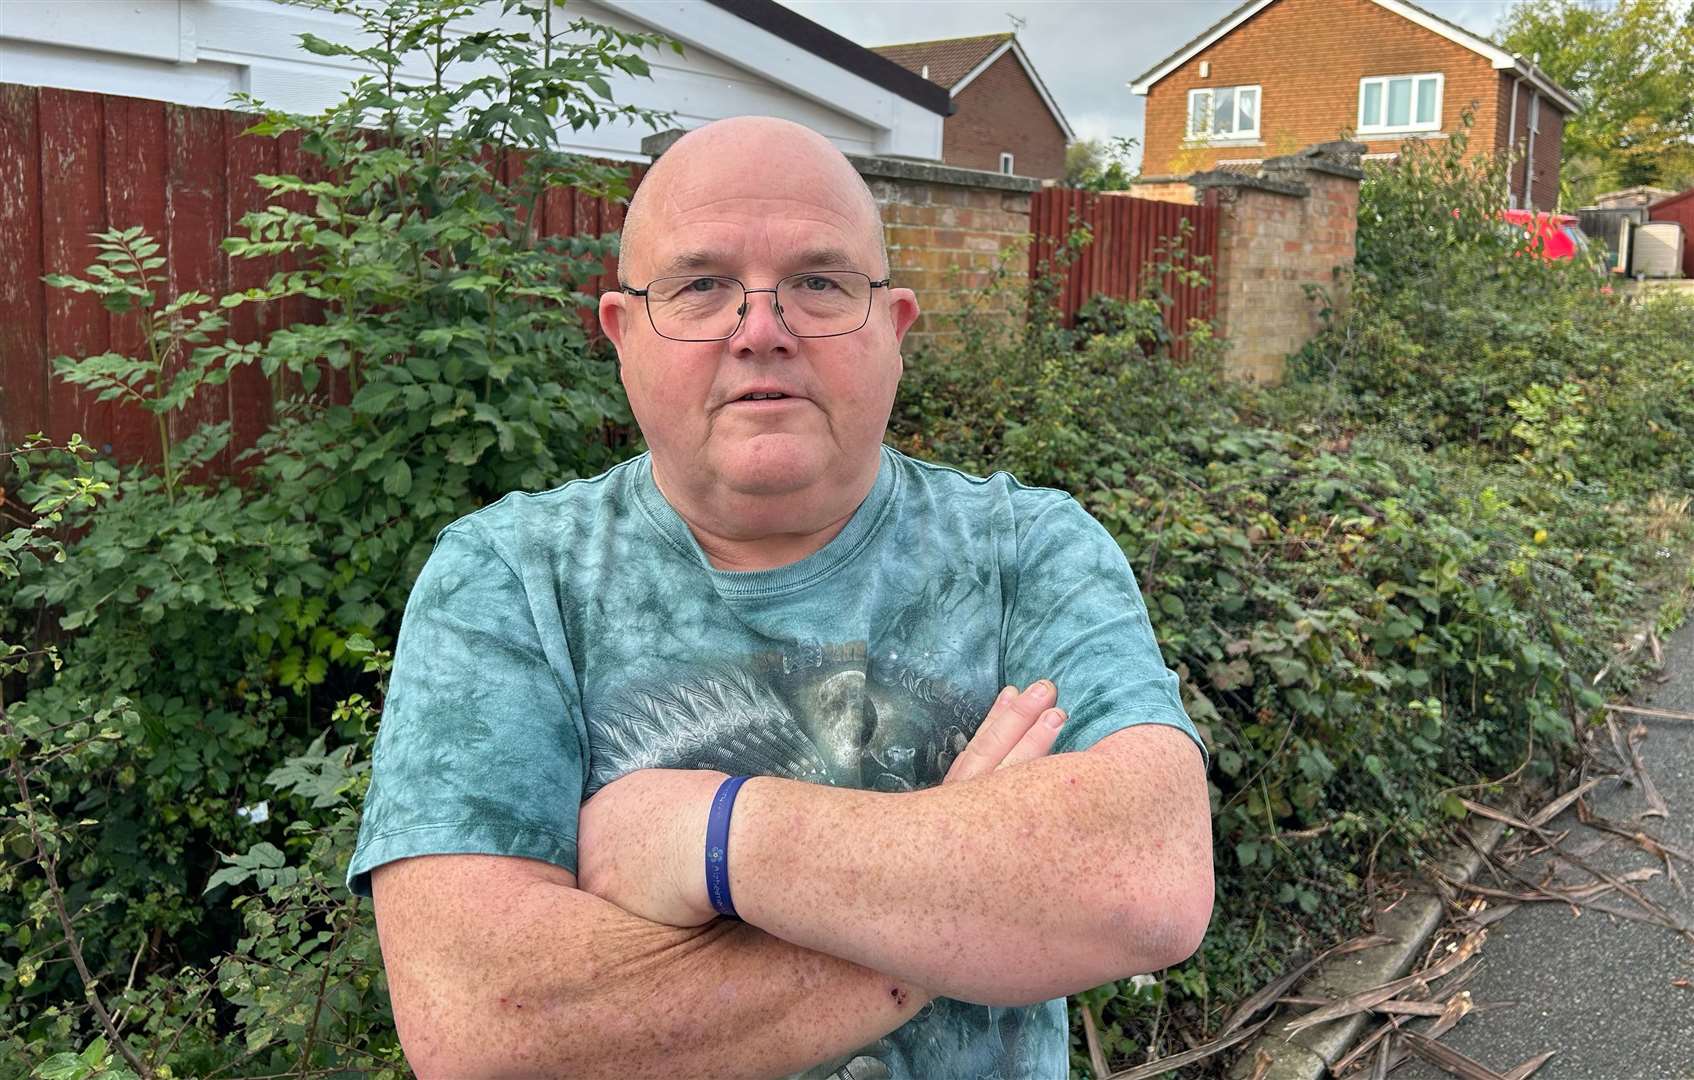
pixel 1086 50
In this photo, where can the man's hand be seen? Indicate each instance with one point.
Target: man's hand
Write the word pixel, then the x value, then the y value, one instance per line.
pixel 641 839
pixel 1019 727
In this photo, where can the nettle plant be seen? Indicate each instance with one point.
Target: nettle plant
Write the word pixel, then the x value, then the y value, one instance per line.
pixel 219 641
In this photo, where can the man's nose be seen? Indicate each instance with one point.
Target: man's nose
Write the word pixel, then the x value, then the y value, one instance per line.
pixel 762 331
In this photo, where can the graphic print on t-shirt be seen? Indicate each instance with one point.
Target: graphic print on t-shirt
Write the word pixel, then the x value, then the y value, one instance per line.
pixel 822 714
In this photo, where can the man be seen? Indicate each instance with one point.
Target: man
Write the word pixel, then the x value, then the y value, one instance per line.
pixel 771 592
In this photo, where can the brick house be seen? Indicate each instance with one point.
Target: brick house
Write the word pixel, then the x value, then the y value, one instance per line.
pixel 1003 120
pixel 1276 75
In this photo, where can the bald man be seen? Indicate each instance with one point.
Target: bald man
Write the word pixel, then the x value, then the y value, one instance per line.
pixel 973 788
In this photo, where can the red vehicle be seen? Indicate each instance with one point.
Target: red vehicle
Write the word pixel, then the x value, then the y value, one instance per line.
pixel 1552 236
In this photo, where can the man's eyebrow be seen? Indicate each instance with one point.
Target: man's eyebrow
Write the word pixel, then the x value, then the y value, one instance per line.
pixel 692 260
pixel 824 259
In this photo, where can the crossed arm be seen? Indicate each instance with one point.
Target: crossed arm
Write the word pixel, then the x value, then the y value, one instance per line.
pixel 1001 886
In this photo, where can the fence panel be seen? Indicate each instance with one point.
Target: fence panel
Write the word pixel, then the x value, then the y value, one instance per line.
pixel 73 164
pixel 1127 236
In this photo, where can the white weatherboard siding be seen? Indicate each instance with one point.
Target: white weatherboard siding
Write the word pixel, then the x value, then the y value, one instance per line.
pixel 199 52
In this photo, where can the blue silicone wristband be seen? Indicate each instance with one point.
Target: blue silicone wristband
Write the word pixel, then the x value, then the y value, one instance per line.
pixel 717 847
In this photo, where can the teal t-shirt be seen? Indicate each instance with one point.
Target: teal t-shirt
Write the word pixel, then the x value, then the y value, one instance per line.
pixel 555 642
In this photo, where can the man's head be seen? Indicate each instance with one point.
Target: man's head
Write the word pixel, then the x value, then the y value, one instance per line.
pixel 759 200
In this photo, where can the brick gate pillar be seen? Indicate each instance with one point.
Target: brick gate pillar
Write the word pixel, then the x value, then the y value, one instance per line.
pixel 1292 224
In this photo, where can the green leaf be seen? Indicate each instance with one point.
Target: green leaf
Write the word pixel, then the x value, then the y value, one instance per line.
pixel 398 480
pixel 63 1066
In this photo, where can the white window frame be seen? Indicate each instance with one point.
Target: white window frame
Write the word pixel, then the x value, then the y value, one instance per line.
pixel 1227 137
pixel 1384 128
pixel 1006 162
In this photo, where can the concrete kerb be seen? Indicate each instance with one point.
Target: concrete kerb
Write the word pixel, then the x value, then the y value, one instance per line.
pixel 1411 923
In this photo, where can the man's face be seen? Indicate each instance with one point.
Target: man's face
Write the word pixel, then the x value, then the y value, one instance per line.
pixel 758 206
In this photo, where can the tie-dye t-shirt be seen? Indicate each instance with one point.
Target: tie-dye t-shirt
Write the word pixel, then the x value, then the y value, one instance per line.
pixel 555 642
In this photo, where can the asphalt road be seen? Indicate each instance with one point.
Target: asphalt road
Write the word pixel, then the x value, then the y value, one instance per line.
pixel 1596 988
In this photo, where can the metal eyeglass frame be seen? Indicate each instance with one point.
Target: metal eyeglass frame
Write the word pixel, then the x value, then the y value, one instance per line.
pixel 746 292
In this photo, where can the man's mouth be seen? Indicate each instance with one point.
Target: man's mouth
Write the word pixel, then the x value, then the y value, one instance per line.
pixel 762 397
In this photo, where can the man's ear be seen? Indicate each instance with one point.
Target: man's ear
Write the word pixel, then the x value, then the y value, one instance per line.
pixel 614 319
pixel 902 312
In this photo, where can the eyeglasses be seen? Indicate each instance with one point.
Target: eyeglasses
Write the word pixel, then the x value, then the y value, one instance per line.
pixel 814 304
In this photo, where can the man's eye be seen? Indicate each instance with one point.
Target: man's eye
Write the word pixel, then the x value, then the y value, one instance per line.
pixel 701 285
pixel 817 283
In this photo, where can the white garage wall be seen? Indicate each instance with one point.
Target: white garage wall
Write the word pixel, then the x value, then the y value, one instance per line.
pixel 199 52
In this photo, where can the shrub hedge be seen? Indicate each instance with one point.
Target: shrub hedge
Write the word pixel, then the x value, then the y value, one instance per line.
pixel 1391 579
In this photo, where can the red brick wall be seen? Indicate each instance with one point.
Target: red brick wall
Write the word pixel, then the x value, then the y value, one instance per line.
pixel 1549 142
pixel 1270 247
pixel 944 240
pixel 1002 111
pixel 1308 56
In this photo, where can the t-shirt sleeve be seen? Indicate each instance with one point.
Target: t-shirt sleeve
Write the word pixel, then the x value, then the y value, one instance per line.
pixel 481 748
pixel 1078 619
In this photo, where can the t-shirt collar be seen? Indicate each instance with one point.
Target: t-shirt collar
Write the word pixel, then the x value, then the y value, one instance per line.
pixel 749 583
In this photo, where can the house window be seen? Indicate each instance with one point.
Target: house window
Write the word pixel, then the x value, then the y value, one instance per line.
pixel 1223 112
pixel 1006 163
pixel 1396 104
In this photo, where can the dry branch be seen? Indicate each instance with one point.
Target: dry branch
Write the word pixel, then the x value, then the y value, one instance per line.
pixel 1662 714
pixel 1268 994
pixel 1189 1057
pixel 1365 999
pixel 1448 1059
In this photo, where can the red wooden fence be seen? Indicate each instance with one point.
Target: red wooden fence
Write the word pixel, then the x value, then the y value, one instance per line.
pixel 72 164
pixel 1127 235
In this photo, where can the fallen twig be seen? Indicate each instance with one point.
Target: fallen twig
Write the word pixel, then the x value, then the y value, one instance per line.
pixel 1659 915
pixel 1379 1071
pixel 1448 1059
pixel 1457 1008
pixel 1392 1007
pixel 1655 802
pixel 1189 1057
pixel 1365 999
pixel 1649 843
pixel 1268 994
pixel 1553 809
pixel 1096 1056
pixel 1527 1069
pixel 1383 1034
pixel 1662 714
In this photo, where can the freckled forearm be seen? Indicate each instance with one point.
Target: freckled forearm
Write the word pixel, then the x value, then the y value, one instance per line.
pixel 604 993
pixel 1018 886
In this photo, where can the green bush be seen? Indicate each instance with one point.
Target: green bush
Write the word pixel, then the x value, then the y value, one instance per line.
pixel 1383 583
pixel 1451 329
pixel 219 639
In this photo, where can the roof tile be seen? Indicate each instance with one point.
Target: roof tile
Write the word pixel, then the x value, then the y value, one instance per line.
pixel 948 59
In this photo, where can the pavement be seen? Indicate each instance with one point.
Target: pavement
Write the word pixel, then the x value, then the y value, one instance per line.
pixel 1600 990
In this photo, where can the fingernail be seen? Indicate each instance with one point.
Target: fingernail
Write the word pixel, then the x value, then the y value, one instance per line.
pixel 1006 694
pixel 1053 718
pixel 1041 687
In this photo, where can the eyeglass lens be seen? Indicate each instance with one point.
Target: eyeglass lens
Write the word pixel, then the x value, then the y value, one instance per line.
pixel 821 304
